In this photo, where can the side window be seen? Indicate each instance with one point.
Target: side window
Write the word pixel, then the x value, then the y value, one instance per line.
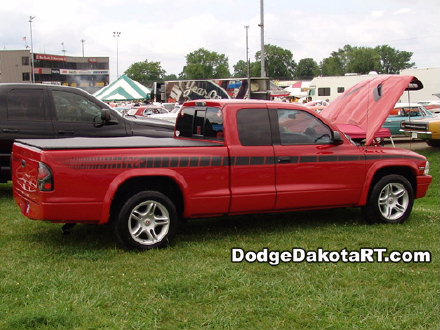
pixel 254 127
pixel 26 104
pixel 201 122
pixel 72 107
pixel 324 91
pixel 300 127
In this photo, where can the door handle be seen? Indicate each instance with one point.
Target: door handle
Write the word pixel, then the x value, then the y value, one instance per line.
pixel 10 130
pixel 283 159
pixel 64 132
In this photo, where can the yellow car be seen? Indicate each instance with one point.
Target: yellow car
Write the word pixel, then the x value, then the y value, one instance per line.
pixel 427 129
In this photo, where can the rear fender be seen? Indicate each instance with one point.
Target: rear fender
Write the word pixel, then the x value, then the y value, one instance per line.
pixel 137 173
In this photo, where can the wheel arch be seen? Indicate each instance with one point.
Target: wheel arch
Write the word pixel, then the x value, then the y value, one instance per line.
pixel 375 175
pixel 167 183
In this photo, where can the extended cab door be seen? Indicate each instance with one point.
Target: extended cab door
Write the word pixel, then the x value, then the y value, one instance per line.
pixel 312 170
pixel 252 167
pixel 76 115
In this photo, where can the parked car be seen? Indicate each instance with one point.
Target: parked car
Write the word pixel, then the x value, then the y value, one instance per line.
pixel 146 111
pixel 317 105
pixel 427 129
pixel 169 116
pixel 48 111
pixel 433 106
pixel 405 111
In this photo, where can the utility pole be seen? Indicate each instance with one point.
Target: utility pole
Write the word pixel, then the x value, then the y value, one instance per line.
pixel 247 50
pixel 32 50
pixel 248 65
pixel 82 42
pixel 261 25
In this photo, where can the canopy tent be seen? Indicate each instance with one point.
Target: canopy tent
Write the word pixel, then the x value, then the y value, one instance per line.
pixel 123 89
pixel 298 89
pixel 276 91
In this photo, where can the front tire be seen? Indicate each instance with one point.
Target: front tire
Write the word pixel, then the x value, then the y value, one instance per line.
pixel 391 200
pixel 147 220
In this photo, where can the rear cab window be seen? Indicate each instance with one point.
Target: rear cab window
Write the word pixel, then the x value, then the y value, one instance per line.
pixel 200 122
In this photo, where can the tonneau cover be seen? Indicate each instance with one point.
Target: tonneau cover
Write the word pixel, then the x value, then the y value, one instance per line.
pixel 113 142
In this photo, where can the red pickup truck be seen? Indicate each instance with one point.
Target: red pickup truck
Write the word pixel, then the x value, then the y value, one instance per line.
pixel 227 157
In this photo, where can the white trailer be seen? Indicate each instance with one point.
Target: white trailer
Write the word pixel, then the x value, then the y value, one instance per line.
pixel 329 88
pixel 430 78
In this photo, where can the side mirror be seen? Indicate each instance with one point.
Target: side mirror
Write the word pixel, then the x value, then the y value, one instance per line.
pixel 103 119
pixel 105 115
pixel 337 138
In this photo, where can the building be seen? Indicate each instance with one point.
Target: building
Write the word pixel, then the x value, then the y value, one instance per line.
pixel 89 73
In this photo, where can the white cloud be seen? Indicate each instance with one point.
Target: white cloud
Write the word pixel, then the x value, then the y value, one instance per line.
pixel 166 33
pixel 402 11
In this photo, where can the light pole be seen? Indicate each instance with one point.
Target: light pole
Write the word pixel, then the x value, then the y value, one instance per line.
pixel 261 25
pixel 247 49
pixel 248 65
pixel 63 50
pixel 32 50
pixel 82 42
pixel 116 35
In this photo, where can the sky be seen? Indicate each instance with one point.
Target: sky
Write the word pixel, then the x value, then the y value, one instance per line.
pixel 166 31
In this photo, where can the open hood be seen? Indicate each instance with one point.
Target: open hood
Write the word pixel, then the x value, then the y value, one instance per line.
pixel 368 103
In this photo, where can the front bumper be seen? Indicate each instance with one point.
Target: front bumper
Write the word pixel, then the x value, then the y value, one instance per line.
pixel 424 135
pixel 423 182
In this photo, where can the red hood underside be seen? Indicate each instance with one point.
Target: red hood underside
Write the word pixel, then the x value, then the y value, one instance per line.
pixel 368 103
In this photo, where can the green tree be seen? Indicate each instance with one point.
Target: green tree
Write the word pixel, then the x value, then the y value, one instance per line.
pixel 307 68
pixel 240 69
pixel 171 76
pixel 279 62
pixel 383 59
pixel 146 72
pixel 204 64
pixel 363 60
pixel 392 60
pixel 332 66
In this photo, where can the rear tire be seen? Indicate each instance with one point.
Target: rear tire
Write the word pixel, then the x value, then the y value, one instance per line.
pixel 146 220
pixel 391 200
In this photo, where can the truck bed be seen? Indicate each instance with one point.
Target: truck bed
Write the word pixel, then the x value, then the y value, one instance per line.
pixel 113 142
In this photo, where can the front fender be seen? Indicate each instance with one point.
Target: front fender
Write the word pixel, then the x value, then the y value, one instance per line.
pixel 137 173
pixel 383 165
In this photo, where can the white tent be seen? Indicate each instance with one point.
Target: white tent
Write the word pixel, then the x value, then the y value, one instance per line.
pixel 123 89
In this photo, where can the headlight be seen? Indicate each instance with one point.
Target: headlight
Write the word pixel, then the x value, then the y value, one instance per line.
pixel 426 171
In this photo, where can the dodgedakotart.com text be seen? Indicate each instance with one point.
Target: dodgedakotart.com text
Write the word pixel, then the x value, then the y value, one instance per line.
pixel 297 255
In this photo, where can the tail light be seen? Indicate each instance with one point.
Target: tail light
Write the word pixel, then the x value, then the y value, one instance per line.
pixel 45 178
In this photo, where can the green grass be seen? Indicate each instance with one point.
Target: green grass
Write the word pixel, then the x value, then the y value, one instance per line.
pixel 85 281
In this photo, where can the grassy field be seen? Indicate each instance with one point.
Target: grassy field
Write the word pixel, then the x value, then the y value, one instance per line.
pixel 84 281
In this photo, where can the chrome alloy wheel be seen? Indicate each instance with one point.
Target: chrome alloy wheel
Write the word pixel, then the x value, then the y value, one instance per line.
pixel 149 222
pixel 393 201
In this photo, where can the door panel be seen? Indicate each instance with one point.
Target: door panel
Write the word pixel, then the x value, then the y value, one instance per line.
pixel 76 116
pixel 310 170
pixel 252 167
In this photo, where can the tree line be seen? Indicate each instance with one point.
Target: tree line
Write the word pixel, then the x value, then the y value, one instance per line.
pixel 280 65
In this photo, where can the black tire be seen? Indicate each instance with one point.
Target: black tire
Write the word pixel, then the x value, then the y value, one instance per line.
pixel 390 201
pixel 433 143
pixel 146 220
